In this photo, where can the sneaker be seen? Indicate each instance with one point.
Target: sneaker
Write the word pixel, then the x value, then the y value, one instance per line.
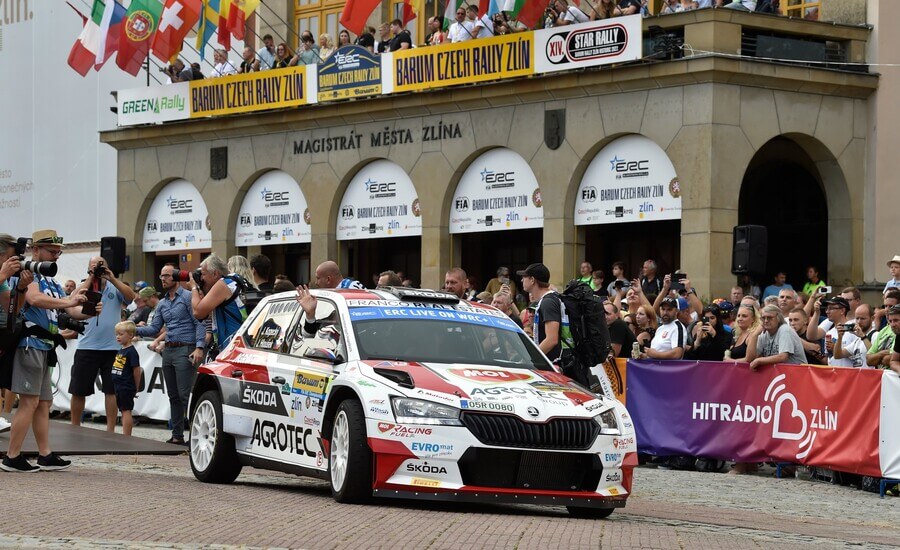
pixel 52 462
pixel 4 425
pixel 18 464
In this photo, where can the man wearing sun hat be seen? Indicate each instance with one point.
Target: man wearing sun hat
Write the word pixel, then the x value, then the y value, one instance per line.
pixel 894 266
pixel 31 364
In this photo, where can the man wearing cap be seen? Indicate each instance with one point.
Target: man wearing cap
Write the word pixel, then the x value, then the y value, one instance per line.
pixel 836 313
pixel 669 341
pixel 550 327
pixel 31 363
pixel 98 347
pixel 776 343
pixel 894 282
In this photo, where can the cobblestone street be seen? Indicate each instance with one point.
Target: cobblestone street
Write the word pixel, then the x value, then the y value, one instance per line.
pixel 155 502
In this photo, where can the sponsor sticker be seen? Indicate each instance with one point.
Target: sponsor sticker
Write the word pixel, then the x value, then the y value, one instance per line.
pixel 489 375
pixel 621 443
pixel 397 430
pixel 431 448
pixel 309 384
pixel 424 482
pixel 425 468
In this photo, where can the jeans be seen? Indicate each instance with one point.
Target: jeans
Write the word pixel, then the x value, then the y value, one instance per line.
pixel 179 373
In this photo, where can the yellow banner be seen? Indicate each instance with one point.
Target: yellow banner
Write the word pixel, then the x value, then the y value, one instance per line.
pixel 244 93
pixel 495 58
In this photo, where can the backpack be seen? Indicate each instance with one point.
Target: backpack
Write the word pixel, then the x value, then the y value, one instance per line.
pixel 587 323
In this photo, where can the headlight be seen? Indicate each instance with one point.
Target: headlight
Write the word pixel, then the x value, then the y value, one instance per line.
pixel 609 425
pixel 417 411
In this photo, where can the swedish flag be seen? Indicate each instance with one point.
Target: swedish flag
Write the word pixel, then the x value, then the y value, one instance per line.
pixel 208 23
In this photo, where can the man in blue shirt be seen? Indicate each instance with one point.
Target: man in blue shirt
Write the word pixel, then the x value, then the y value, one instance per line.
pixel 97 349
pixel 183 348
pixel 777 286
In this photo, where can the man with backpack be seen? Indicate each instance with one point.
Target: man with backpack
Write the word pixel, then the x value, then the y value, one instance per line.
pixel 551 324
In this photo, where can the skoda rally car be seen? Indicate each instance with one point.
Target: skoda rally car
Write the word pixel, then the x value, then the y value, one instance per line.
pixel 411 394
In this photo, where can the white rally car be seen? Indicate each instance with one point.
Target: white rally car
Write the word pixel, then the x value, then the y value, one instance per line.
pixel 411 394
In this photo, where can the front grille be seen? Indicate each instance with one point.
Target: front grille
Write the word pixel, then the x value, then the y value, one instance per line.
pixel 506 468
pixel 510 431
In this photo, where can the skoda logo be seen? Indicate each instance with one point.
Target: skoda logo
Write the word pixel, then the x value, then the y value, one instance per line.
pixel 533 412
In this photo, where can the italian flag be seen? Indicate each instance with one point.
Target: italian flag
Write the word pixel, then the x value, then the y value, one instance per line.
pixel 450 12
pixel 99 38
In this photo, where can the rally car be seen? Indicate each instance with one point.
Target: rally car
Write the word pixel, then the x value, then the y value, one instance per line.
pixel 407 393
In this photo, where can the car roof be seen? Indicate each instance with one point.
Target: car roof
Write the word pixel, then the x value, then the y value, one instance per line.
pixel 341 295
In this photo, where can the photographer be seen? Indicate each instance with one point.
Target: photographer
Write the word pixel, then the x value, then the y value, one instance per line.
pixel 97 349
pixel 9 266
pixel 220 296
pixel 178 72
pixel 183 347
pixel 34 355
pixel 566 15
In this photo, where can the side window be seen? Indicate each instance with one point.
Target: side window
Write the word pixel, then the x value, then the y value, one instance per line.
pixel 328 333
pixel 270 329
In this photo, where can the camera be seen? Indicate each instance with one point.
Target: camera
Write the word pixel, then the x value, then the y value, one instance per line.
pixel 100 270
pixel 197 276
pixel 47 269
pixel 181 276
pixel 849 326
pixel 621 284
pixel 66 322
pixel 824 290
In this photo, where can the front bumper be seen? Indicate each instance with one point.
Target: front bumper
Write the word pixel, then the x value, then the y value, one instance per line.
pixel 486 495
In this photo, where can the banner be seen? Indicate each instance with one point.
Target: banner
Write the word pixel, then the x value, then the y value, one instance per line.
pixel 151 401
pixel 177 219
pixel 350 72
pixel 274 211
pixel 496 58
pixel 497 192
pixel 245 93
pixel 588 44
pixel 380 201
pixel 787 413
pixel 629 180
pixel 154 104
pixel 888 432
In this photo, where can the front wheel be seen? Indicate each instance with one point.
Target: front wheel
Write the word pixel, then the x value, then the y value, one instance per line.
pixel 589 513
pixel 213 456
pixel 350 459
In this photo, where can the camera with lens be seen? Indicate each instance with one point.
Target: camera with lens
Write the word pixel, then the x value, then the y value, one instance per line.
pixel 621 284
pixel 100 270
pixel 47 269
pixel 66 322
pixel 850 326
pixel 181 276
pixel 197 276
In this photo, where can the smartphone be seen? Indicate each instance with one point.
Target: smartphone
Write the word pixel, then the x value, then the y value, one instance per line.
pixel 677 285
pixel 90 307
pixel 504 280
pixel 824 290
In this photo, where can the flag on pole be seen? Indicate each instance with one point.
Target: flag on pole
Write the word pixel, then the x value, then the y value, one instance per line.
pixel 239 13
pixel 209 20
pixel 224 36
pixel 528 12
pixel 494 7
pixel 450 12
pixel 86 52
pixel 176 21
pixel 356 13
pixel 141 22
pixel 408 12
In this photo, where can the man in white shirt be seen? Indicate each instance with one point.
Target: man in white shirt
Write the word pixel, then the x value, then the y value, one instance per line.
pixel 461 30
pixel 569 14
pixel 836 311
pixel 482 27
pixel 669 340
pixel 223 66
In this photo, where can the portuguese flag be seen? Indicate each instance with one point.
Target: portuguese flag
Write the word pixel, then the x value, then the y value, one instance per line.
pixel 140 23
pixel 99 38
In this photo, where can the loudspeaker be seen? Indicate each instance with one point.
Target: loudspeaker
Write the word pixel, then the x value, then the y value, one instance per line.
pixel 112 249
pixel 748 255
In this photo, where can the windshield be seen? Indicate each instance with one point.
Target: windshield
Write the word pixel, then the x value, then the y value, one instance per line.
pixel 440 341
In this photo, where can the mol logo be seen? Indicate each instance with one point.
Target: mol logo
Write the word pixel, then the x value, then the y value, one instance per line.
pixel 489 375
pixel 589 194
pixel 461 204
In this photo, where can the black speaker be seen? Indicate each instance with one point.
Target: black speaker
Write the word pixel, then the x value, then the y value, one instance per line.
pixel 112 249
pixel 748 255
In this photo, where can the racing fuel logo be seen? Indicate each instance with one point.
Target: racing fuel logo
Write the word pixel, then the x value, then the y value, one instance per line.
pixel 789 421
pixel 397 430
pixel 424 468
pixel 593 43
pixel 489 376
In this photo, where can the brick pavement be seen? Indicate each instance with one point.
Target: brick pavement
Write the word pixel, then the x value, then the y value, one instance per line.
pixel 154 502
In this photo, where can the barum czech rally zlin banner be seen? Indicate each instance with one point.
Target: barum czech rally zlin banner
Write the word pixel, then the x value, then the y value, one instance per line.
pixel 788 413
pixel 350 72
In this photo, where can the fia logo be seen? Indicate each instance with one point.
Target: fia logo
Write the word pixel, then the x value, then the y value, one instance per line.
pixel 461 204
pixel 589 194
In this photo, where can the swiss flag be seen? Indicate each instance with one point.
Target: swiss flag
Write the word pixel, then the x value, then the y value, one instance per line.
pixel 176 21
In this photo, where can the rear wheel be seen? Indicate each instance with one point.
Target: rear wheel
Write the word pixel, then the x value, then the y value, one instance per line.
pixel 589 513
pixel 350 459
pixel 213 456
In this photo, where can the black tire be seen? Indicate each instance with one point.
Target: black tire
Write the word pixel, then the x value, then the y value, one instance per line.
pixel 357 482
pixel 223 466
pixel 589 513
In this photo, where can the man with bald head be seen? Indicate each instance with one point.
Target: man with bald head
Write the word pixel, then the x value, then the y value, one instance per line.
pixel 98 347
pixel 328 275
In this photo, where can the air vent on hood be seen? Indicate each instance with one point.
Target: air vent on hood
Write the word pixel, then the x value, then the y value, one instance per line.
pixel 399 377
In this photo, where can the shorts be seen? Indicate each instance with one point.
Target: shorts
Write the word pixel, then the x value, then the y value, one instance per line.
pixel 125 400
pixel 31 373
pixel 87 364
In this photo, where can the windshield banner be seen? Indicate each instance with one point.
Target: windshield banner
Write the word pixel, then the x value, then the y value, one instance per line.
pixel 362 313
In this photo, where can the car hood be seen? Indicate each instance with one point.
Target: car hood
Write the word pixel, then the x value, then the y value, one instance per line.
pixel 532 395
